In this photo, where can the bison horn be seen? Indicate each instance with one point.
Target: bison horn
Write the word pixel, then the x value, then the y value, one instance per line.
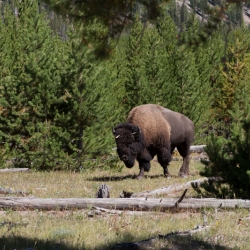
pixel 113 130
pixel 138 131
pixel 117 136
pixel 137 134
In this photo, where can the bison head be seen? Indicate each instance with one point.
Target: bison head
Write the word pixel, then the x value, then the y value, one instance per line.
pixel 128 141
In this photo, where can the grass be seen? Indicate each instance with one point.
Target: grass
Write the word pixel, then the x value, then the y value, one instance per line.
pixel 74 229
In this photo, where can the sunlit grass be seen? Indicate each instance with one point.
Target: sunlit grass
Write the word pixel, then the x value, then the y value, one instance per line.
pixel 74 229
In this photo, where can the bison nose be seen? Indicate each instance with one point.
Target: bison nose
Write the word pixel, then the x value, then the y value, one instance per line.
pixel 124 158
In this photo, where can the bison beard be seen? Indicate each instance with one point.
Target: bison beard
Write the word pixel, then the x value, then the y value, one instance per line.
pixel 154 130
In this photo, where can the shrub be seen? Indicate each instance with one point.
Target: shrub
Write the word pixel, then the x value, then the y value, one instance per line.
pixel 230 158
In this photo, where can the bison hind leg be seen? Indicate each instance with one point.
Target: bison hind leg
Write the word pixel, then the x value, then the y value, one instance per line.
pixel 184 150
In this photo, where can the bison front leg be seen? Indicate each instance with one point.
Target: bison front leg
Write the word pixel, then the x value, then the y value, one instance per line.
pixel 164 157
pixel 144 166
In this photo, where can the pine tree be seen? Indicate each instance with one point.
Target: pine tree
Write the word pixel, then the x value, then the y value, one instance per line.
pixel 157 68
pixel 29 88
pixel 235 14
pixel 130 72
pixel 234 77
pixel 229 158
pixel 207 59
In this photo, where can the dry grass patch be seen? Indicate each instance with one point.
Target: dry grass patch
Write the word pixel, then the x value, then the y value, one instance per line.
pixel 74 229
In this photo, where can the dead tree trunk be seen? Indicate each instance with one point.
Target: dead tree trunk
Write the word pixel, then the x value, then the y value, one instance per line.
pixel 172 189
pixel 137 204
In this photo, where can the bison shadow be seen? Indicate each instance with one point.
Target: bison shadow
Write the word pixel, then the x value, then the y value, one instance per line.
pixel 125 177
pixel 19 242
pixel 125 242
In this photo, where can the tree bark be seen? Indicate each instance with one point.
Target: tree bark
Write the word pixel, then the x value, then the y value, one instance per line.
pixel 137 204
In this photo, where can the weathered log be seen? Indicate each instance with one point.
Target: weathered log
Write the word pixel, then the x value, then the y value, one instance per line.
pixel 138 204
pixel 150 243
pixel 10 191
pixel 172 189
pixel 7 170
pixel 102 211
pixel 198 153
pixel 197 148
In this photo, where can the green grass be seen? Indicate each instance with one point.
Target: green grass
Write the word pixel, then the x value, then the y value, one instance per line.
pixel 74 229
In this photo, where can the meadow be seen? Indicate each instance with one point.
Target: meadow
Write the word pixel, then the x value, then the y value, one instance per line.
pixel 76 230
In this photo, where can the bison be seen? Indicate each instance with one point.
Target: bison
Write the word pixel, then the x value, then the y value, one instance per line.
pixel 154 130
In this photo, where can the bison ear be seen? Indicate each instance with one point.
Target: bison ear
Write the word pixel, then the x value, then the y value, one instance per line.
pixel 113 130
pixel 136 132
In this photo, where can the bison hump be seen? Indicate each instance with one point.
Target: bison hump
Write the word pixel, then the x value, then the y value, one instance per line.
pixel 152 123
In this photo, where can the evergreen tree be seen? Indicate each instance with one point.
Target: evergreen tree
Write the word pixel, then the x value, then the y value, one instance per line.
pixel 130 72
pixel 29 87
pixel 235 14
pixel 157 67
pixel 229 158
pixel 207 59
pixel 234 77
pixel 81 94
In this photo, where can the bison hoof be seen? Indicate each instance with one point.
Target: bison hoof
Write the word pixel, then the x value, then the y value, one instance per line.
pixel 140 177
pixel 168 176
pixel 183 175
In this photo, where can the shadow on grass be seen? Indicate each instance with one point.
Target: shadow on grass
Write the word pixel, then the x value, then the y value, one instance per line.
pixel 124 177
pixel 113 178
pixel 20 243
pixel 173 243
pixel 189 243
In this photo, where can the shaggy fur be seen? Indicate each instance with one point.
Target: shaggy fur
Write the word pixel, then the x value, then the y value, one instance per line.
pixel 150 120
pixel 154 130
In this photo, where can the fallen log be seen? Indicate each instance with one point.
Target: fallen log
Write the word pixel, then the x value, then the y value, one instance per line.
pixel 172 189
pixel 7 170
pixel 198 153
pixel 132 204
pixel 197 148
pixel 102 211
pixel 10 191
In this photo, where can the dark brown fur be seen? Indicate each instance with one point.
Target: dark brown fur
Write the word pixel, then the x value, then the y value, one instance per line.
pixel 154 130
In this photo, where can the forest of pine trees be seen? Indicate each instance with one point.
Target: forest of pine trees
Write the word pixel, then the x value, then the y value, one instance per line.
pixel 58 101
